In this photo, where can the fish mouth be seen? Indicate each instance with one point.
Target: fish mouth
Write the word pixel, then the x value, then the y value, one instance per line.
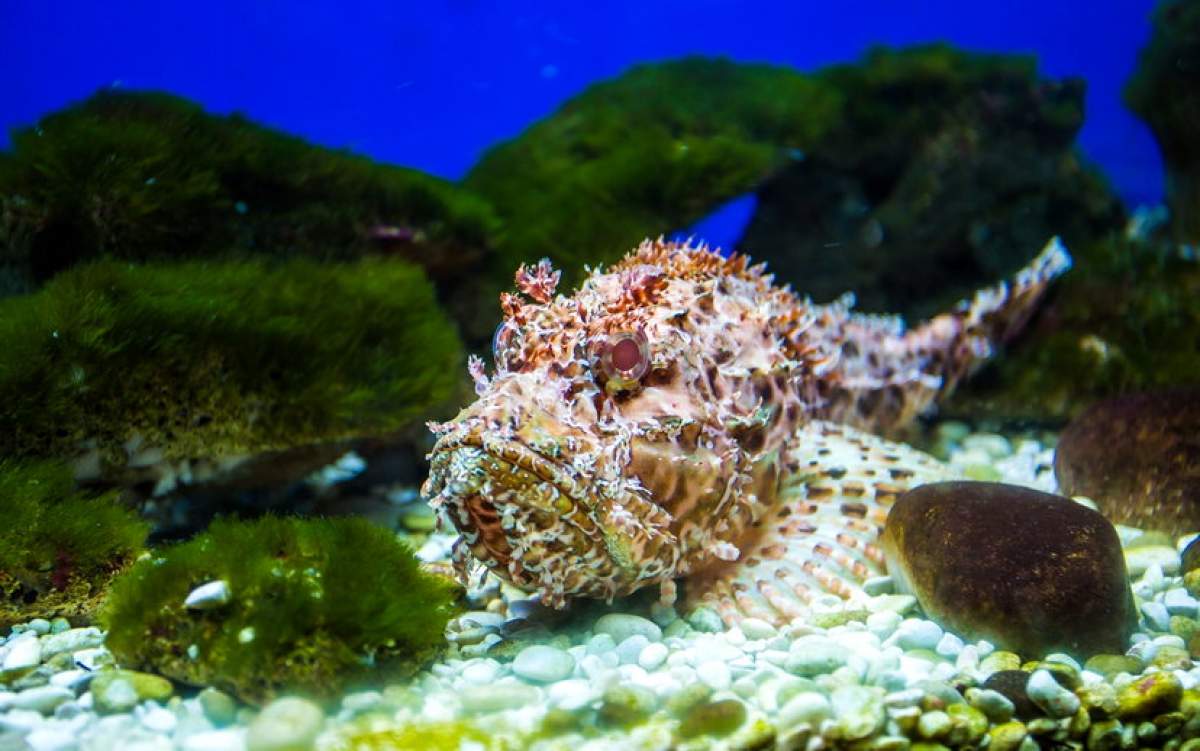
pixel 520 513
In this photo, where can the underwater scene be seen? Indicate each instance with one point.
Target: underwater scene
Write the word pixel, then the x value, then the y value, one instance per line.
pixel 599 377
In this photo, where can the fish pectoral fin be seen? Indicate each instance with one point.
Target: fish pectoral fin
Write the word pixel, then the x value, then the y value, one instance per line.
pixel 820 537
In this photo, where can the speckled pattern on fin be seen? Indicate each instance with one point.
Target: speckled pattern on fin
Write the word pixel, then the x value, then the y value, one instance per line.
pixel 820 539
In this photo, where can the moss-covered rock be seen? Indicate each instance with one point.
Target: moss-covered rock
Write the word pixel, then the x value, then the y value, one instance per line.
pixel 314 606
pixel 145 366
pixel 651 151
pixel 59 548
pixel 946 169
pixel 1165 92
pixel 145 175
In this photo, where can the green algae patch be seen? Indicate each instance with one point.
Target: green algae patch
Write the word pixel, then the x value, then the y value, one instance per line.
pixel 204 359
pixel 143 175
pixel 644 154
pixel 313 607
pixel 59 547
pixel 422 736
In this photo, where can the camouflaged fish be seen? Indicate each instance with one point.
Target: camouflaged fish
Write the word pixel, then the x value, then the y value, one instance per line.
pixel 680 416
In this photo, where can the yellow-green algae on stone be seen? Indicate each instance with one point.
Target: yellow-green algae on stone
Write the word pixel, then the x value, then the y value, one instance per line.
pixel 1028 571
pixel 315 606
pixel 210 360
pixel 59 546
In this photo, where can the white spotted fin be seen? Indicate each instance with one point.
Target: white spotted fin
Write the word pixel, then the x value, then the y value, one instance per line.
pixel 820 537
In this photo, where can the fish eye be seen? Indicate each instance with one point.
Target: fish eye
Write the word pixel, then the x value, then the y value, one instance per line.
pixel 624 360
pixel 502 342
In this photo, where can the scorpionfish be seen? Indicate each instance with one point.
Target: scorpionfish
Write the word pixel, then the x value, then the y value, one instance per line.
pixel 681 417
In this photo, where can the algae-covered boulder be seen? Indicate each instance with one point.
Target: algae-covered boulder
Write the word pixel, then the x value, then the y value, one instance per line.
pixel 646 153
pixel 1030 572
pixel 279 605
pixel 1165 92
pixel 1138 457
pixel 945 170
pixel 141 176
pixel 59 547
pixel 170 371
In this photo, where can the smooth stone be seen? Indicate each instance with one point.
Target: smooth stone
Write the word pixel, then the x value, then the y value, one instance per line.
pixel 858 711
pixel 1012 684
pixel 1156 615
pixel 621 626
pixel 210 596
pixel 1139 560
pixel 72 640
pixel 1044 691
pixel 805 707
pixel 1179 602
pixel 629 650
pixel 287 724
pixel 972 551
pixel 157 719
pixel 1149 695
pixel 653 656
pixel 995 705
pixel 543 663
pixel 481 670
pixel 716 718
pixel 756 628
pixel 51 739
pixel 497 696
pixel 915 633
pixel 1137 457
pixel 218 706
pixel 1109 665
pixel 215 740
pixel 59 625
pixel 626 704
pixel 572 695
pixel 23 653
pixel 122 690
pixel 705 620
pixel 815 655
pixel 39 626
pixel 43 699
pixel 714 674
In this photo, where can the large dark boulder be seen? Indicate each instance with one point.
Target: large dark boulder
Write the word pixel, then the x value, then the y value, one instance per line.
pixel 1138 457
pixel 1030 572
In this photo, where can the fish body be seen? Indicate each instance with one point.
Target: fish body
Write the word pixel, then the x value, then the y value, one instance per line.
pixel 682 417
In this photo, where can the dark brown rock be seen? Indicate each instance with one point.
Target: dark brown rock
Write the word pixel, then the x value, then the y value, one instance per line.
pixel 1138 457
pixel 1030 572
pixel 1011 683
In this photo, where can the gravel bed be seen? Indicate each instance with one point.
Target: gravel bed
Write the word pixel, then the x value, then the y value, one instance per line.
pixel 882 679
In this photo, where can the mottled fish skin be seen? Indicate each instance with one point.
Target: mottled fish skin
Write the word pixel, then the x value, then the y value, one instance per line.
pixel 682 416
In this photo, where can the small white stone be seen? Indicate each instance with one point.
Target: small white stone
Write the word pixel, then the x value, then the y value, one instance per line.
pixel 1051 697
pixel 756 628
pixel 209 596
pixel 42 699
pixel 72 640
pixel 1179 602
pixel 950 646
pixel 653 656
pixel 572 694
pixel 629 650
pixel 1157 615
pixel 915 633
pixel 285 724
pixel 807 707
pixel 543 663
pixel 23 653
pixel 231 739
pixel 51 739
pixel 884 623
pixel 714 673
pixel 480 671
pixel 621 626
pixel 157 719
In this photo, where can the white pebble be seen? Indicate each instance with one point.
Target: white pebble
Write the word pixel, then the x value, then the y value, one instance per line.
pixel 51 739
pixel 571 695
pixel 1157 615
pixel 482 670
pixel 629 650
pixel 915 633
pixel 756 628
pixel 23 653
pixel 714 673
pixel 653 656
pixel 1179 602
pixel 1051 697
pixel 42 699
pixel 285 724
pixel 209 596
pixel 231 739
pixel 543 663
pixel 157 719
pixel 950 646
pixel 621 626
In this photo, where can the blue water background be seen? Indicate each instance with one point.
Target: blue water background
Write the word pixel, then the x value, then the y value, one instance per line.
pixel 431 85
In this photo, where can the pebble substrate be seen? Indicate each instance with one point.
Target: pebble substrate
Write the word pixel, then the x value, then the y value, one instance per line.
pixel 882 679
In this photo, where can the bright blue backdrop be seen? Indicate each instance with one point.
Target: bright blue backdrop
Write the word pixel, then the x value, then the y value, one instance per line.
pixel 431 84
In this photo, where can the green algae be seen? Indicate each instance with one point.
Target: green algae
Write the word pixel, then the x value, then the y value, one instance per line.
pixel 316 606
pixel 146 175
pixel 621 161
pixel 59 547
pixel 205 359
